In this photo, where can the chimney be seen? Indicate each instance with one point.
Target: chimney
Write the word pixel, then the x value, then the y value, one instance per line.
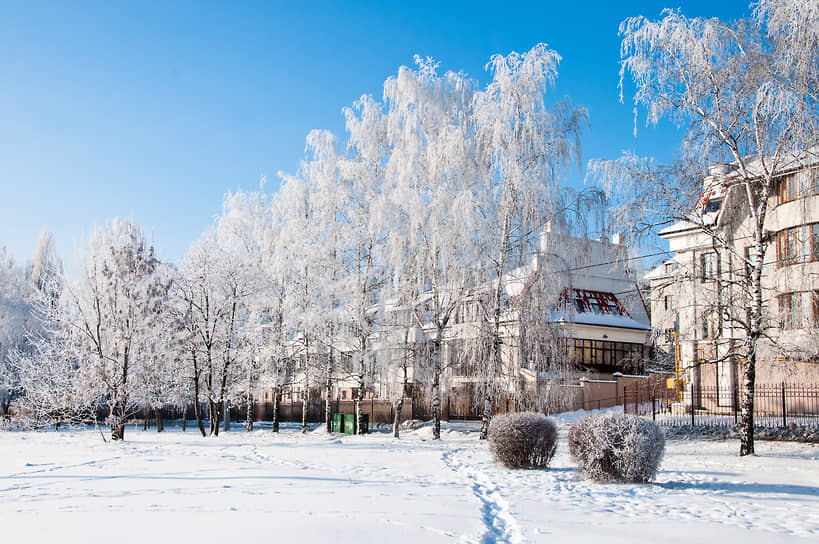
pixel 544 236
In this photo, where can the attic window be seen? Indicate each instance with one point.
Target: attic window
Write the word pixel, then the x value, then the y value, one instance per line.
pixel 713 205
pixel 597 302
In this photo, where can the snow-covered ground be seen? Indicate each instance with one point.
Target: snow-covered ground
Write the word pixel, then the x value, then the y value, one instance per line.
pixel 69 486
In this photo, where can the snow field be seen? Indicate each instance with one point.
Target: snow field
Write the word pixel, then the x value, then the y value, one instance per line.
pixel 72 487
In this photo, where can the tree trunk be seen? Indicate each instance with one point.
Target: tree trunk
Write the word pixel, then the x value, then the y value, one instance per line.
pixel 197 410
pixel 275 409
pixel 328 407
pixel 118 421
pixel 118 430
pixel 249 416
pixel 4 409
pixel 328 386
pixel 746 431
pixel 184 417
pixel 226 415
pixel 359 400
pixel 436 386
pixel 214 417
pixel 160 424
pixel 396 422
pixel 197 413
pixel 487 413
pixel 495 365
pixel 304 413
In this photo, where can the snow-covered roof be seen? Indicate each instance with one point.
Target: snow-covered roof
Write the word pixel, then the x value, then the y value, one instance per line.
pixel 599 308
pixel 601 320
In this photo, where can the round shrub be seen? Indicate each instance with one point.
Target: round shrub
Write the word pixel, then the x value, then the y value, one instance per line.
pixel 617 448
pixel 523 439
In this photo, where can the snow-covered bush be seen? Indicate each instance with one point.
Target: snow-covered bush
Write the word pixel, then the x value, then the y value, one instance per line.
pixel 523 439
pixel 617 448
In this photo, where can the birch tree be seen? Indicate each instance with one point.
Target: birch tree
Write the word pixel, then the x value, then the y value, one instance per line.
pixel 430 172
pixel 523 145
pixel 747 94
pixel 246 226
pixel 364 223
pixel 303 249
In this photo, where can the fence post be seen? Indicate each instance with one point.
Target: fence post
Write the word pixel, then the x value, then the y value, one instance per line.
pixel 653 402
pixel 625 399
pixel 735 398
pixel 784 408
pixel 692 403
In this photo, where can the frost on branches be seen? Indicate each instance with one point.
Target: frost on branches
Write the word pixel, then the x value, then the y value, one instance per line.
pixel 109 319
pixel 747 93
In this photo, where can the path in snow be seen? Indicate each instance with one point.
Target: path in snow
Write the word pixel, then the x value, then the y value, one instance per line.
pixel 500 524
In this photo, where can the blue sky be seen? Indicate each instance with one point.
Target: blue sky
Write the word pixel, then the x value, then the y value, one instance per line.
pixel 153 110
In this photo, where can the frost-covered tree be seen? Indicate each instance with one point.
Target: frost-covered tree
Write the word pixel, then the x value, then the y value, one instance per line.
pixel 365 220
pixel 302 257
pixel 16 318
pixel 523 144
pixel 430 184
pixel 249 226
pixel 210 293
pixel 746 92
pixel 108 319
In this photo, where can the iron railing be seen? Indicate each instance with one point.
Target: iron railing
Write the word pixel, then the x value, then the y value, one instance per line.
pixel 775 405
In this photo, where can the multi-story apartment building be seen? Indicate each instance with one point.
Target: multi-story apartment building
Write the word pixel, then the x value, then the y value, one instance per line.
pixel 700 296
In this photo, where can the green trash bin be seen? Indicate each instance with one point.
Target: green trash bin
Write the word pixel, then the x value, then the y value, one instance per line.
pixel 337 423
pixel 349 423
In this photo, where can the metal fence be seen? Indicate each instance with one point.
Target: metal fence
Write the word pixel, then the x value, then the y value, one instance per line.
pixel 775 405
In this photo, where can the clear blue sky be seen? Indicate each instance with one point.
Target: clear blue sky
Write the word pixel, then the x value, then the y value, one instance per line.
pixel 153 110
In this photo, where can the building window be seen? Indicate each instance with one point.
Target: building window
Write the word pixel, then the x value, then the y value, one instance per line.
pixel 797 244
pixel 606 355
pixel 814 241
pixel 596 302
pixel 709 266
pixel 711 326
pixel 787 189
pixel 799 184
pixel 669 268
pixel 799 310
pixel 713 205
pixel 668 301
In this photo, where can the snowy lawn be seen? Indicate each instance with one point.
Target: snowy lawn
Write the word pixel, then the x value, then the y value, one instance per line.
pixel 174 486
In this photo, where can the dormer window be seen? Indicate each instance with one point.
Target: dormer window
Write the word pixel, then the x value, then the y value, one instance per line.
pixel 713 205
pixel 596 302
